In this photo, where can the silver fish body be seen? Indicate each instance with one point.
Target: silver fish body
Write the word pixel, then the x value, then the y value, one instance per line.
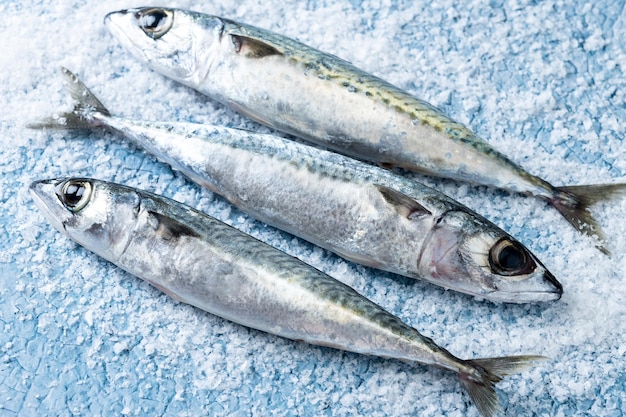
pixel 363 213
pixel 303 91
pixel 203 262
pixel 297 89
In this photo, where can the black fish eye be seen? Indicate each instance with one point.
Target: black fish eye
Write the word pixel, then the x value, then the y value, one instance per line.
pixel 508 257
pixel 75 194
pixel 155 22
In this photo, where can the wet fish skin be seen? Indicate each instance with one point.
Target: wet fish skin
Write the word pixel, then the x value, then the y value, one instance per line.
pixel 363 213
pixel 322 98
pixel 203 262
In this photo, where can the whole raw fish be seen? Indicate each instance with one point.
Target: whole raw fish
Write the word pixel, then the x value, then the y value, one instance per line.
pixel 294 88
pixel 203 262
pixel 364 213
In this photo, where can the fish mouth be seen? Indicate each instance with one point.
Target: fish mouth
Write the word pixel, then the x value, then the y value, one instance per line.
pixel 128 34
pixel 558 288
pixel 552 291
pixel 115 23
pixel 523 297
pixel 44 195
pixel 109 16
pixel 111 22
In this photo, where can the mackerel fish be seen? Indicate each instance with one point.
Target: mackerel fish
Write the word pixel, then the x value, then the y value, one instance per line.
pixel 201 261
pixel 363 213
pixel 294 88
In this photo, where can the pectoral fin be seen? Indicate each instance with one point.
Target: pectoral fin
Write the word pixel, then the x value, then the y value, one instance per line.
pixel 253 48
pixel 167 291
pixel 168 228
pixel 405 205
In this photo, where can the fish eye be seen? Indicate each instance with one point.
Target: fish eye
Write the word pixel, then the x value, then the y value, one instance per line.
pixel 75 194
pixel 155 22
pixel 508 257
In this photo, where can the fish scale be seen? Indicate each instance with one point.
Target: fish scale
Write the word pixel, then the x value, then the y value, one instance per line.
pixel 341 72
pixel 203 262
pixel 361 212
pixel 319 97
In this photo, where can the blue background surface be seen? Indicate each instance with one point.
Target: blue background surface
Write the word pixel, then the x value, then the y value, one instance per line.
pixel 542 80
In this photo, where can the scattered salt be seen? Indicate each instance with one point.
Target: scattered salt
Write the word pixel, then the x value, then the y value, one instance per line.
pixel 541 80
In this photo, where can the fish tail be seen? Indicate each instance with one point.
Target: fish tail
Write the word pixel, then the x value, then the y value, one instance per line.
pixel 82 116
pixel 574 204
pixel 490 371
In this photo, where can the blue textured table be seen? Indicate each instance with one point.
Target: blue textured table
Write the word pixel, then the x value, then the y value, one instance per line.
pixel 543 81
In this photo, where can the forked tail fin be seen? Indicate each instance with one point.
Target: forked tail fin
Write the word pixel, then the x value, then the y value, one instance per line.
pixel 81 117
pixel 574 202
pixel 491 370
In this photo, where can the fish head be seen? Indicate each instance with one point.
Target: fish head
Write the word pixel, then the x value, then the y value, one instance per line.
pixel 176 43
pixel 88 212
pixel 467 253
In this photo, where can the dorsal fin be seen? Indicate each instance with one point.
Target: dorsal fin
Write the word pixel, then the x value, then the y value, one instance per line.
pixel 168 228
pixel 405 205
pixel 253 48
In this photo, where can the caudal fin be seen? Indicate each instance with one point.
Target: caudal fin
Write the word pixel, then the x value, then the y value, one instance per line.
pixel 492 370
pixel 82 116
pixel 574 204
